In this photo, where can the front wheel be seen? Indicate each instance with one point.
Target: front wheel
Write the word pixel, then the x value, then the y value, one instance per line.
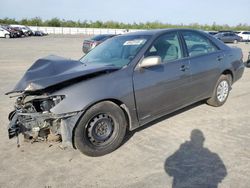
pixel 221 91
pixel 7 36
pixel 101 129
pixel 235 41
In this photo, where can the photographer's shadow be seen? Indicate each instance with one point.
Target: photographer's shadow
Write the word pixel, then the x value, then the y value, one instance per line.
pixel 193 166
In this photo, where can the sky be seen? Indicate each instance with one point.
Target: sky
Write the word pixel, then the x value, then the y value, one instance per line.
pixel 129 11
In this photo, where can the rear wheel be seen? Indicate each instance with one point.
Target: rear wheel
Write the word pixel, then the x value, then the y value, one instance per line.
pixel 221 91
pixel 101 129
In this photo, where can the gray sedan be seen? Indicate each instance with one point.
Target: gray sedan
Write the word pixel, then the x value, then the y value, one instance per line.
pixel 228 37
pixel 122 84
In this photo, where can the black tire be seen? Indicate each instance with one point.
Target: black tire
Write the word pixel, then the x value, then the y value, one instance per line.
pixel 101 129
pixel 216 100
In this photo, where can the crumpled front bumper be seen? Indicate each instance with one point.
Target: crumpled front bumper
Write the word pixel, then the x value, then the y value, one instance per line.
pixel 32 123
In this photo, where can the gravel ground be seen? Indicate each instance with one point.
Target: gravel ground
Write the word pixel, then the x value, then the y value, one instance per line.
pixel 197 144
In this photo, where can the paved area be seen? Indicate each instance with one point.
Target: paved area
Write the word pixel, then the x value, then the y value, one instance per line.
pixel 198 144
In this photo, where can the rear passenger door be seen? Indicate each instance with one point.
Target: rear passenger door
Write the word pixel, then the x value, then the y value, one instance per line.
pixel 205 59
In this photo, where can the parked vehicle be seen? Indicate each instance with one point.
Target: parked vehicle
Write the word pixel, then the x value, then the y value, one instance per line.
pixel 4 33
pixel 245 35
pixel 39 33
pixel 228 37
pixel 13 32
pixel 212 32
pixel 19 31
pixel 25 31
pixel 227 31
pixel 30 31
pixel 122 84
pixel 89 44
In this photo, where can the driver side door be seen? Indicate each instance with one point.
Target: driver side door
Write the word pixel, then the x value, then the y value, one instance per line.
pixel 162 88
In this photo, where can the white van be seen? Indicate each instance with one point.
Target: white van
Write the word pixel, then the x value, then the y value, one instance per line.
pixel 4 33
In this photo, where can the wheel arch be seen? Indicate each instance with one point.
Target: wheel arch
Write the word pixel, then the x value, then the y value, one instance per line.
pixel 119 103
pixel 229 72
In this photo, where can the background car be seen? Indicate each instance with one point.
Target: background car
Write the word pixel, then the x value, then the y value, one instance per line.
pixel 89 44
pixel 19 31
pixel 4 33
pixel 13 32
pixel 212 32
pixel 25 30
pixel 228 37
pixel 245 35
pixel 39 33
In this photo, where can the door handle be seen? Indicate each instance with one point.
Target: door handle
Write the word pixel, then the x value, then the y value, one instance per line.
pixel 184 68
pixel 219 58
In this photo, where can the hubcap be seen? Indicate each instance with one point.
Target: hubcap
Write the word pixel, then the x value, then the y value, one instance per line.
pixel 100 129
pixel 222 91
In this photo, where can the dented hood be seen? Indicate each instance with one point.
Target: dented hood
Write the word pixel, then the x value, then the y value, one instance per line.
pixel 53 70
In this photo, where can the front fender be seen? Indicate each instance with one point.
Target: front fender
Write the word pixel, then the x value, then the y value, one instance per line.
pixel 80 96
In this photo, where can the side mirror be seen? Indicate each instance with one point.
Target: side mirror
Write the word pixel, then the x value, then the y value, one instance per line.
pixel 150 61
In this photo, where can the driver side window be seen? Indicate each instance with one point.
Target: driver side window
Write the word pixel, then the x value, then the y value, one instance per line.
pixel 167 47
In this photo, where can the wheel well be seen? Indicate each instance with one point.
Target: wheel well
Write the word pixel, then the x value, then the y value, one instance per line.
pixel 229 72
pixel 118 103
pixel 124 109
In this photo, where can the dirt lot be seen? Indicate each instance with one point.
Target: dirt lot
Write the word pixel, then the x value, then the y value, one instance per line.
pixel 151 157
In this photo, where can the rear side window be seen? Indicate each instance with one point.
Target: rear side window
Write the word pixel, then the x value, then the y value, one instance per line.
pixel 198 44
pixel 248 33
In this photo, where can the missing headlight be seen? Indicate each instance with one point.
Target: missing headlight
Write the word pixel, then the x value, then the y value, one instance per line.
pixel 48 103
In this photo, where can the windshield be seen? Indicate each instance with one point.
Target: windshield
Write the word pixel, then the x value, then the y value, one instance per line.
pixel 117 51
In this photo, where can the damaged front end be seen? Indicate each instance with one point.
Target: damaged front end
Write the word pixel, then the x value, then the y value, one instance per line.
pixel 32 117
pixel 47 101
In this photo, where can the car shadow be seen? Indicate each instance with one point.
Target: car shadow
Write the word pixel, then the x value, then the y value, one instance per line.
pixel 130 134
pixel 193 166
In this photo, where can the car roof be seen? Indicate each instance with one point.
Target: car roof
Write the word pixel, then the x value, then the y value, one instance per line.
pixel 158 31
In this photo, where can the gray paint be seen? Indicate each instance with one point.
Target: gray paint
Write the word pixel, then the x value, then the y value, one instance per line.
pixel 151 92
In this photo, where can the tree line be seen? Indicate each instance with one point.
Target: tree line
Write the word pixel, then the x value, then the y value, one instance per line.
pixel 56 22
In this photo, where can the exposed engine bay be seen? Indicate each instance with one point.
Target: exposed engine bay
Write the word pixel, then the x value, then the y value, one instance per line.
pixel 32 118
